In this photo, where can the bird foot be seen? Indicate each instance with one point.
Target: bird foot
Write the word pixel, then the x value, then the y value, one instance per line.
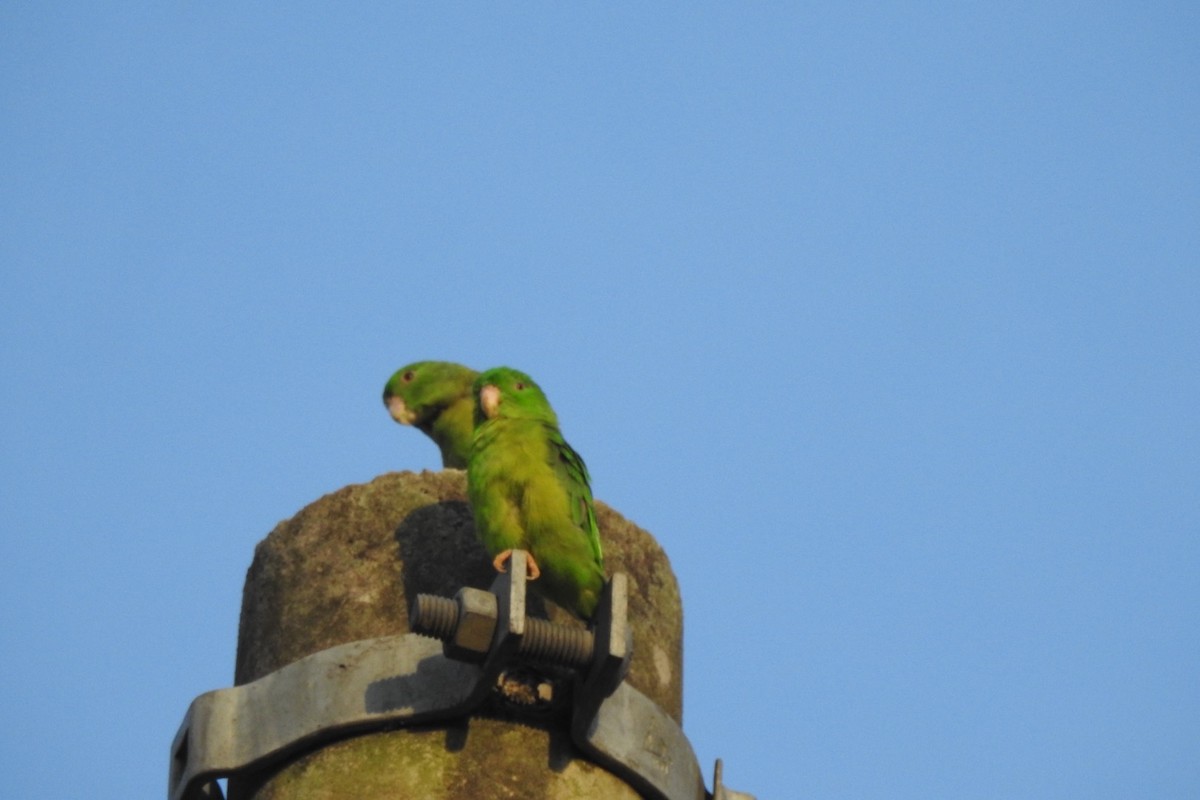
pixel 533 570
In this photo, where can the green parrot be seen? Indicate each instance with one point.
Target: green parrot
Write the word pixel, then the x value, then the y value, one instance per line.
pixel 435 396
pixel 529 490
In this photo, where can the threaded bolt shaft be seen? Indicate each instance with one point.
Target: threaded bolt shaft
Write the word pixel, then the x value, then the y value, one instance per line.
pixel 556 644
pixel 434 616
pixel 438 617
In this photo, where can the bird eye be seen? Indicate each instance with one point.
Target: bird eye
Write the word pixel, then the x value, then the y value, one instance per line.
pixel 520 386
pixel 408 376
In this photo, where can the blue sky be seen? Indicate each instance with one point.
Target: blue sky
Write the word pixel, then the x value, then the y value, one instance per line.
pixel 882 318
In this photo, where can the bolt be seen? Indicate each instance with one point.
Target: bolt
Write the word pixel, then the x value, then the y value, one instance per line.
pixel 467 623
pixel 556 644
pixel 435 616
pixel 444 618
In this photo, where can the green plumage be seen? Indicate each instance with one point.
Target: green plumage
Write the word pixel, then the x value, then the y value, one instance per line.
pixel 530 490
pixel 435 397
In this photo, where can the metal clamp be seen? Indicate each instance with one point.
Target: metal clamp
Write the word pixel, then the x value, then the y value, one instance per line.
pixel 409 679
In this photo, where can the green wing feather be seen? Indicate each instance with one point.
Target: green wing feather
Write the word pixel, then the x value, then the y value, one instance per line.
pixel 572 473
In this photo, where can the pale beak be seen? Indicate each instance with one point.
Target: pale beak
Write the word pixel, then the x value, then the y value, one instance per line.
pixel 399 411
pixel 489 400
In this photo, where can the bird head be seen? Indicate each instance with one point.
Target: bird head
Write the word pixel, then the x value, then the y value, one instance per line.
pixel 506 393
pixel 415 394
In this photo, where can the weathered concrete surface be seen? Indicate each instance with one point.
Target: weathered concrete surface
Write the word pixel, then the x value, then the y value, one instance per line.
pixel 348 566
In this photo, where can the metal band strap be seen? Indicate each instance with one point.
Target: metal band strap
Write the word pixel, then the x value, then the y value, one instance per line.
pixel 392 681
pixel 407 679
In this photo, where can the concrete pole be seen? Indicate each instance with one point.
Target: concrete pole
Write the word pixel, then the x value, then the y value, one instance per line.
pixel 350 565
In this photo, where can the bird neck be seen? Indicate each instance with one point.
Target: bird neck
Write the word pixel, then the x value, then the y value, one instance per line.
pixel 452 429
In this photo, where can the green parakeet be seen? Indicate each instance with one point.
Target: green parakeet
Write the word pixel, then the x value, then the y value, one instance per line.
pixel 435 397
pixel 529 490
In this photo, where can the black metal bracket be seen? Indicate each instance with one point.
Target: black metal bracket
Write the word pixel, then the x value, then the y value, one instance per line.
pixel 409 679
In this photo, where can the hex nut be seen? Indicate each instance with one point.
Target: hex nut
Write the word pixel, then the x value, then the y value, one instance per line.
pixel 478 615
